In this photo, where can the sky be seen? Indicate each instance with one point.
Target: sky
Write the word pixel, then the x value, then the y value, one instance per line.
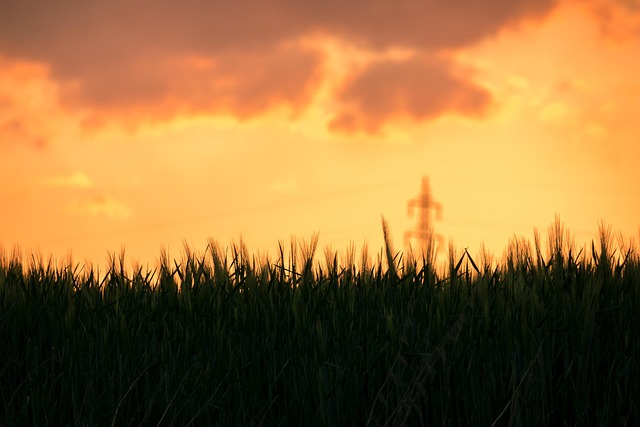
pixel 147 125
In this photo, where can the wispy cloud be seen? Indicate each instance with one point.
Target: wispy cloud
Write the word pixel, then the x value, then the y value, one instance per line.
pixel 101 206
pixel 285 187
pixel 75 180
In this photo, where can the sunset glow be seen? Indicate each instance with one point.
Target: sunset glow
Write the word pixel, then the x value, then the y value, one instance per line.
pixel 143 126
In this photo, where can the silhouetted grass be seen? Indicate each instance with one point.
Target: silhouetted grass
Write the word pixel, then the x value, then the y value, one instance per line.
pixel 222 338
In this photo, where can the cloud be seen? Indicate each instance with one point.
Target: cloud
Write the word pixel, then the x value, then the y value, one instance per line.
pixel 234 83
pixel 148 60
pixel 555 112
pixel 100 206
pixel 26 100
pixel 618 19
pixel 19 131
pixel 417 23
pixel 75 180
pixel 285 187
pixel 416 89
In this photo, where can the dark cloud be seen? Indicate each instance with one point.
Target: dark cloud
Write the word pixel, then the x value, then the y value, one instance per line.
pixel 122 55
pixel 417 89
pixel 238 83
pixel 421 24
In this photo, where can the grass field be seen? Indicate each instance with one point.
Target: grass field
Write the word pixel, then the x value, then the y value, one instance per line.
pixel 548 335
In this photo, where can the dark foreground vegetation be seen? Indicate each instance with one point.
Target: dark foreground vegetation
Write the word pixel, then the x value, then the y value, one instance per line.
pixel 549 336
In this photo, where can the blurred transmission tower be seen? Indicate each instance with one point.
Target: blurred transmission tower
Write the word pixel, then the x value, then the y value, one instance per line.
pixel 424 229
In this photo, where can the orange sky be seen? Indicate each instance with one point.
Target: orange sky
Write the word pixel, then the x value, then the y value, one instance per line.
pixel 144 126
